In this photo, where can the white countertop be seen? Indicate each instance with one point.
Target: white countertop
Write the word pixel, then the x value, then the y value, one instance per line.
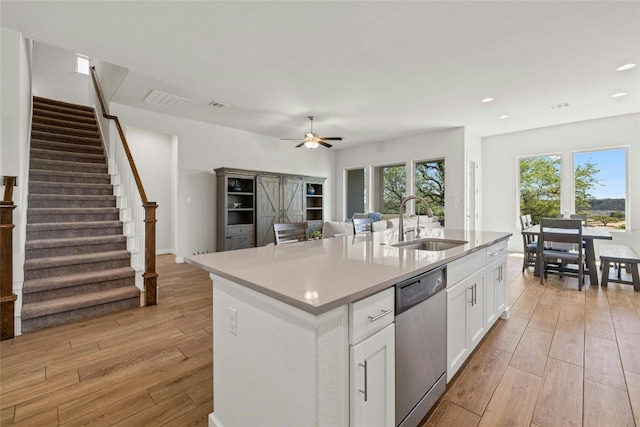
pixel 320 275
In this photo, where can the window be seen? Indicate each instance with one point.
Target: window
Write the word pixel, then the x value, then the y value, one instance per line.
pixel 430 186
pixel 356 191
pixel 390 187
pixel 82 64
pixel 600 187
pixel 540 187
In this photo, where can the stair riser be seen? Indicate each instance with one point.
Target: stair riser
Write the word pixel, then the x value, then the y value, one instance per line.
pixel 64 147
pixel 80 142
pixel 78 191
pixel 107 202
pixel 38 218
pixel 62 130
pixel 75 268
pixel 67 157
pixel 29 325
pixel 75 232
pixel 68 167
pixel 74 250
pixel 80 179
pixel 76 290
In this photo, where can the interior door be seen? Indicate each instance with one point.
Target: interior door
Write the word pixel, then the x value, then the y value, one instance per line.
pixel 473 192
pixel 267 208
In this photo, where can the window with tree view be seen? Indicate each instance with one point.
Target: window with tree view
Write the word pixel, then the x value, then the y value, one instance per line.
pixel 430 186
pixel 540 187
pixel 391 187
pixel 601 187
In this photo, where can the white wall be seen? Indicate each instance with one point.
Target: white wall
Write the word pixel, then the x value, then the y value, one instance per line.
pixel 203 147
pixel 500 159
pixel 15 110
pixel 55 76
pixel 153 154
pixel 447 144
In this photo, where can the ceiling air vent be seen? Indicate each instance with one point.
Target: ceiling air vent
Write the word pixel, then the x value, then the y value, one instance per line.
pixel 165 100
pixel 560 105
pixel 217 104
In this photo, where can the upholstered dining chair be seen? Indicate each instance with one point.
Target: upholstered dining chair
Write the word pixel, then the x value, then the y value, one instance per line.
pixel 362 225
pixel 565 231
pixel 290 232
pixel 530 246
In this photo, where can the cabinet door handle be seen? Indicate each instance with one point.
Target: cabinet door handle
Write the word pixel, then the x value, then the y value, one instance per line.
pixel 493 254
pixel 471 289
pixel 365 379
pixel 475 301
pixel 382 313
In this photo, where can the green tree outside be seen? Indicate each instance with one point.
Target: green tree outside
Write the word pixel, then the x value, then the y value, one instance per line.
pixel 394 187
pixel 430 186
pixel 540 187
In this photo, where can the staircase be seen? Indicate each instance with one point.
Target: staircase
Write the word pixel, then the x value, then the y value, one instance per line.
pixel 76 262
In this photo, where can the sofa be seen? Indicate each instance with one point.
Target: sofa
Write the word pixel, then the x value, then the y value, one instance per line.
pixel 381 222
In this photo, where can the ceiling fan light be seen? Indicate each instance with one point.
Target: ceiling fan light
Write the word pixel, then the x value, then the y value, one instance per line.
pixel 311 144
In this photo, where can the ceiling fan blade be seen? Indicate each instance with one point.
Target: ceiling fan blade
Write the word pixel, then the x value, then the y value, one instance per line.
pixel 289 139
pixel 325 144
pixel 331 138
pixel 300 145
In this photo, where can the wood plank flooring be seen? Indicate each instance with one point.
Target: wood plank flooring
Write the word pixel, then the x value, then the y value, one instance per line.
pixel 146 366
pixel 564 358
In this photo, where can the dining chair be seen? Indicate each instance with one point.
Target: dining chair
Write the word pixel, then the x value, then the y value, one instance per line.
pixel 564 231
pixel 290 232
pixel 530 246
pixel 362 225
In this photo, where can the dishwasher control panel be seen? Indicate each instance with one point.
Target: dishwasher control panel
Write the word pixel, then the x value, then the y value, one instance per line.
pixel 417 289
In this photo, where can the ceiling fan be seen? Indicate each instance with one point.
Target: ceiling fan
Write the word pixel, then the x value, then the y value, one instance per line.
pixel 311 140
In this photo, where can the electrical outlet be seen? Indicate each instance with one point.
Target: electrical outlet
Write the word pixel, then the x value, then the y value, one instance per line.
pixel 233 321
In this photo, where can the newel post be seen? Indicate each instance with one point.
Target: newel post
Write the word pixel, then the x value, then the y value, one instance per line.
pixel 7 297
pixel 150 275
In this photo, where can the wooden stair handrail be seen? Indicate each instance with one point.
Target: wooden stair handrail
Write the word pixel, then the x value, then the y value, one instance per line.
pixel 7 297
pixel 150 276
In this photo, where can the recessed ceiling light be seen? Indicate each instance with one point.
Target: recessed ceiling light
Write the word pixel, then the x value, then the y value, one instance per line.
pixel 618 95
pixel 485 100
pixel 504 116
pixel 625 67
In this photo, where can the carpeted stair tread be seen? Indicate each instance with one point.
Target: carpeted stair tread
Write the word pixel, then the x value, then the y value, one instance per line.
pixel 42 175
pixel 67 156
pixel 39 263
pixel 42 113
pixel 73 241
pixel 70 185
pixel 70 122
pixel 40 100
pixel 69 200
pixel 37 215
pixel 65 225
pixel 71 139
pixel 67 147
pixel 61 305
pixel 64 165
pixel 65 130
pixel 50 283
pixel 63 107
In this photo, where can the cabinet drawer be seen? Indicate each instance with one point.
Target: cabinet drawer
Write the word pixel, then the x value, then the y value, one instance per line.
pixel 496 251
pixel 370 315
pixel 234 230
pixel 465 267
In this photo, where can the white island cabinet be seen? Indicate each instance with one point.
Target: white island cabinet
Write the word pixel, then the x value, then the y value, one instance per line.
pixel 304 333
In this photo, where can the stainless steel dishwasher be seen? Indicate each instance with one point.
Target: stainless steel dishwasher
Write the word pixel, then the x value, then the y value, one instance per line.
pixel 421 345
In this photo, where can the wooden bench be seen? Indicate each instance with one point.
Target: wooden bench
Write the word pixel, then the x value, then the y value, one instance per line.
pixel 620 254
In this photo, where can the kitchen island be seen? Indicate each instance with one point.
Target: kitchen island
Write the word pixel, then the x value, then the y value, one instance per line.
pixel 287 319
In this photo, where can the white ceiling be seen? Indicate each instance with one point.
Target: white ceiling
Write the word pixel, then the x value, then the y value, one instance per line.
pixel 368 71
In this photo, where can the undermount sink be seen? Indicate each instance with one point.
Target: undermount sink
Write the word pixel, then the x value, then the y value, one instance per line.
pixel 431 244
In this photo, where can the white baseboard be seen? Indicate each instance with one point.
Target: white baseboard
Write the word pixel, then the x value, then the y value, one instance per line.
pixel 179 260
pixel 214 421
pixel 164 251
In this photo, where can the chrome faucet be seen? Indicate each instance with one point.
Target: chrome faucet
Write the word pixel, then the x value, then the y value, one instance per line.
pixel 401 222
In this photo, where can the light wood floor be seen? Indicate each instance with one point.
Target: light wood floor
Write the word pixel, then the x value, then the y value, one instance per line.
pixel 563 358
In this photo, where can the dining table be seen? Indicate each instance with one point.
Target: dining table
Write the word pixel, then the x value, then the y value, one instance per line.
pixel 589 234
